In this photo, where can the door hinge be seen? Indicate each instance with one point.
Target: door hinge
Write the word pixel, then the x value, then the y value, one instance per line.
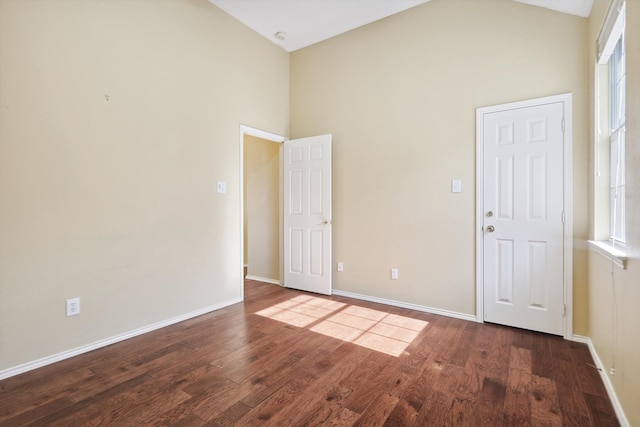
pixel 564 310
pixel 563 217
pixel 563 125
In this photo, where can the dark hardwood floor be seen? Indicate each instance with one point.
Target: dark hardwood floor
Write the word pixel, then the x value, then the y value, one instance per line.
pixel 286 358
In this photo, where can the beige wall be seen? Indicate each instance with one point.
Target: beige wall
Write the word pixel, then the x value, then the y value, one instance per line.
pixel 262 207
pixel 614 293
pixel 399 97
pixel 117 119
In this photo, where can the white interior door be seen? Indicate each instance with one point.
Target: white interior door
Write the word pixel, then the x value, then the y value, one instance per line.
pixel 307 214
pixel 523 217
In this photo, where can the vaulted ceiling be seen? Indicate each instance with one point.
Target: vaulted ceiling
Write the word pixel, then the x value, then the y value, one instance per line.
pixel 294 24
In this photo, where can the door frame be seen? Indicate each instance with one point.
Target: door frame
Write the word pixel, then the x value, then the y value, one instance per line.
pixel 567 187
pixel 248 130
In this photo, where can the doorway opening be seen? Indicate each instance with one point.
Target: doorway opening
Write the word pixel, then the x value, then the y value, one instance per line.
pixel 261 205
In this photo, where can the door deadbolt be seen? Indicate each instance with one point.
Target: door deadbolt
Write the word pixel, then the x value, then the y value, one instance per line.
pixel 490 214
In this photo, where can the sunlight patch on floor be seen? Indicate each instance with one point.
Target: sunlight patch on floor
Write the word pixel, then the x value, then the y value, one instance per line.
pixel 387 333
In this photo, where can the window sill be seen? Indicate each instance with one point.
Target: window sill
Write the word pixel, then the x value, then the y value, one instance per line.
pixel 619 257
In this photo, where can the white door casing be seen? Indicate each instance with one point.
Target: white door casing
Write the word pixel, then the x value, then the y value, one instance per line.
pixel 524 243
pixel 248 130
pixel 307 214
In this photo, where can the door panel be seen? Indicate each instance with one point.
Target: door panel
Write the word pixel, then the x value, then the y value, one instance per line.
pixel 307 214
pixel 523 209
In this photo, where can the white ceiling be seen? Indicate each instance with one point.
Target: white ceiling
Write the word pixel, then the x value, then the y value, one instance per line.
pixel 305 22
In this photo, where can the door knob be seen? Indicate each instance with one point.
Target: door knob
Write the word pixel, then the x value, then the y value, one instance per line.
pixel 491 228
pixel 325 222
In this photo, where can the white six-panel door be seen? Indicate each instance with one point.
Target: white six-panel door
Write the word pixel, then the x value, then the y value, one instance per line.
pixel 307 214
pixel 523 211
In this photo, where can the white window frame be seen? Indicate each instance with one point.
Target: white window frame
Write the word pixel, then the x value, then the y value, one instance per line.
pixel 611 51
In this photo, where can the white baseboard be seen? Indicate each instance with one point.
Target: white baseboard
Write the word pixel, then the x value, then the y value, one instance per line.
pixel 263 279
pixel 613 397
pixel 406 305
pixel 29 366
pixel 580 339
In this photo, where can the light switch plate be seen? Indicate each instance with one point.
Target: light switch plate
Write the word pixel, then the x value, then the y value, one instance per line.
pixel 222 187
pixel 456 186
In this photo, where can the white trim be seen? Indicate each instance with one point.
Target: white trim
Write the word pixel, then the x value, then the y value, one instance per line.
pixel 479 216
pixel 580 338
pixel 248 130
pixel 612 29
pixel 606 249
pixel 25 367
pixel 567 101
pixel 568 213
pixel 613 397
pixel 263 279
pixel 407 305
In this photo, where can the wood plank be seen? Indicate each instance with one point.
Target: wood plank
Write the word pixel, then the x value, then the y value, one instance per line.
pixel 588 374
pixel 463 411
pixel 52 413
pixel 491 403
pixel 313 398
pixel 519 376
pixel 403 414
pixel 36 415
pixel 308 364
pixel 446 385
pixel 43 387
pixel 179 415
pixel 149 397
pixel 379 411
pixel 500 352
pixel 601 411
pixel 364 380
pixel 517 409
pixel 544 403
pixel 541 363
pixel 231 416
pixel 330 413
pixel 277 401
pixel 433 413
pixel 423 357
pixel 464 344
pixel 573 405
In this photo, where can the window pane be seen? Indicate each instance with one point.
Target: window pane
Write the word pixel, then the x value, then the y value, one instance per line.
pixel 621 163
pixel 617 76
pixel 613 167
pixel 617 214
pixel 617 143
pixel 621 101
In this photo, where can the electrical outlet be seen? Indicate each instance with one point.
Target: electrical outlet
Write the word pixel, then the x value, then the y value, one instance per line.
pixel 73 307
pixel 340 266
pixel 612 371
pixel 394 273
